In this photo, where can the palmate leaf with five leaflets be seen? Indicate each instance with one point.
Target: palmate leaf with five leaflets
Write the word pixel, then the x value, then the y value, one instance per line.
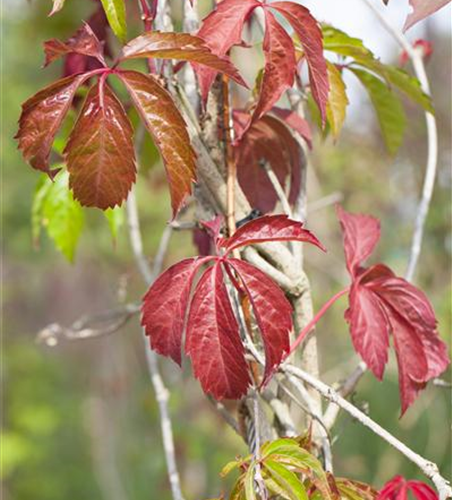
pixel 222 29
pixel 380 304
pixel 380 81
pixel 288 471
pixel 99 153
pixel 212 332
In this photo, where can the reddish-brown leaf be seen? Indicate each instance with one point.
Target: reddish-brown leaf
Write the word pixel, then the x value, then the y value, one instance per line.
pixel 280 65
pixel 369 328
pixel 272 311
pixel 310 36
pixel 213 341
pixel 381 303
pixel 295 122
pixel 41 118
pixel 167 127
pixel 222 29
pixel 84 42
pixel 181 46
pixel 165 306
pixel 398 487
pixel 269 228
pixel 268 140
pixel 422 9
pixel 100 154
pixel 361 234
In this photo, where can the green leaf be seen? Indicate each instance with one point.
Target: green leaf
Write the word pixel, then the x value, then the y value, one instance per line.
pixel 339 42
pixel 409 85
pixel 250 493
pixel 238 492
pixel 55 209
pixel 115 218
pixel 355 490
pixel 388 107
pixel 115 10
pixel 278 446
pixel 337 100
pixel 286 480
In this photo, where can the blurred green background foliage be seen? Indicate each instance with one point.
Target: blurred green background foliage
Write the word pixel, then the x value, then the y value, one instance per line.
pixel 80 420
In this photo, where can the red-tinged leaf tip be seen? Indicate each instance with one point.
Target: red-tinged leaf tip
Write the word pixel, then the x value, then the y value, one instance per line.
pixel 267 140
pixel 213 341
pixel 42 116
pixel 421 10
pixel 361 234
pixel 310 36
pixel 84 42
pixel 398 487
pixel 167 127
pixel 280 65
pixel 165 306
pixel 272 311
pixel 221 30
pixel 181 46
pixel 100 154
pixel 269 228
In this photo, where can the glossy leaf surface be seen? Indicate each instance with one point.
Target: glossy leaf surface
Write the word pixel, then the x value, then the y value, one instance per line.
pixel 42 116
pixel 181 46
pixel 269 228
pixel 115 10
pixel 213 341
pixel 84 42
pixel 167 127
pixel 100 154
pixel 272 310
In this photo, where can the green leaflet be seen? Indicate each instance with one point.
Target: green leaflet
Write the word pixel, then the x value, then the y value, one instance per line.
pixel 55 209
pixel 286 480
pixel 337 100
pixel 250 492
pixel 115 11
pixel 115 218
pixel 388 107
pixel 339 42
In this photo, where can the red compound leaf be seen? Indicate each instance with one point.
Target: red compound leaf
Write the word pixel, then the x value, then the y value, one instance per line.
pixel 382 304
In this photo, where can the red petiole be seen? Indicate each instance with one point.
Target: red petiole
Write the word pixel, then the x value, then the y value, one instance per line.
pixel 303 334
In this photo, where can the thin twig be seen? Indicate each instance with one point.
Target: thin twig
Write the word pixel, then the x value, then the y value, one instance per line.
pixel 347 388
pixel 417 60
pixel 428 468
pixel 226 414
pixel 231 166
pixel 161 393
pixel 88 327
pixel 277 187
